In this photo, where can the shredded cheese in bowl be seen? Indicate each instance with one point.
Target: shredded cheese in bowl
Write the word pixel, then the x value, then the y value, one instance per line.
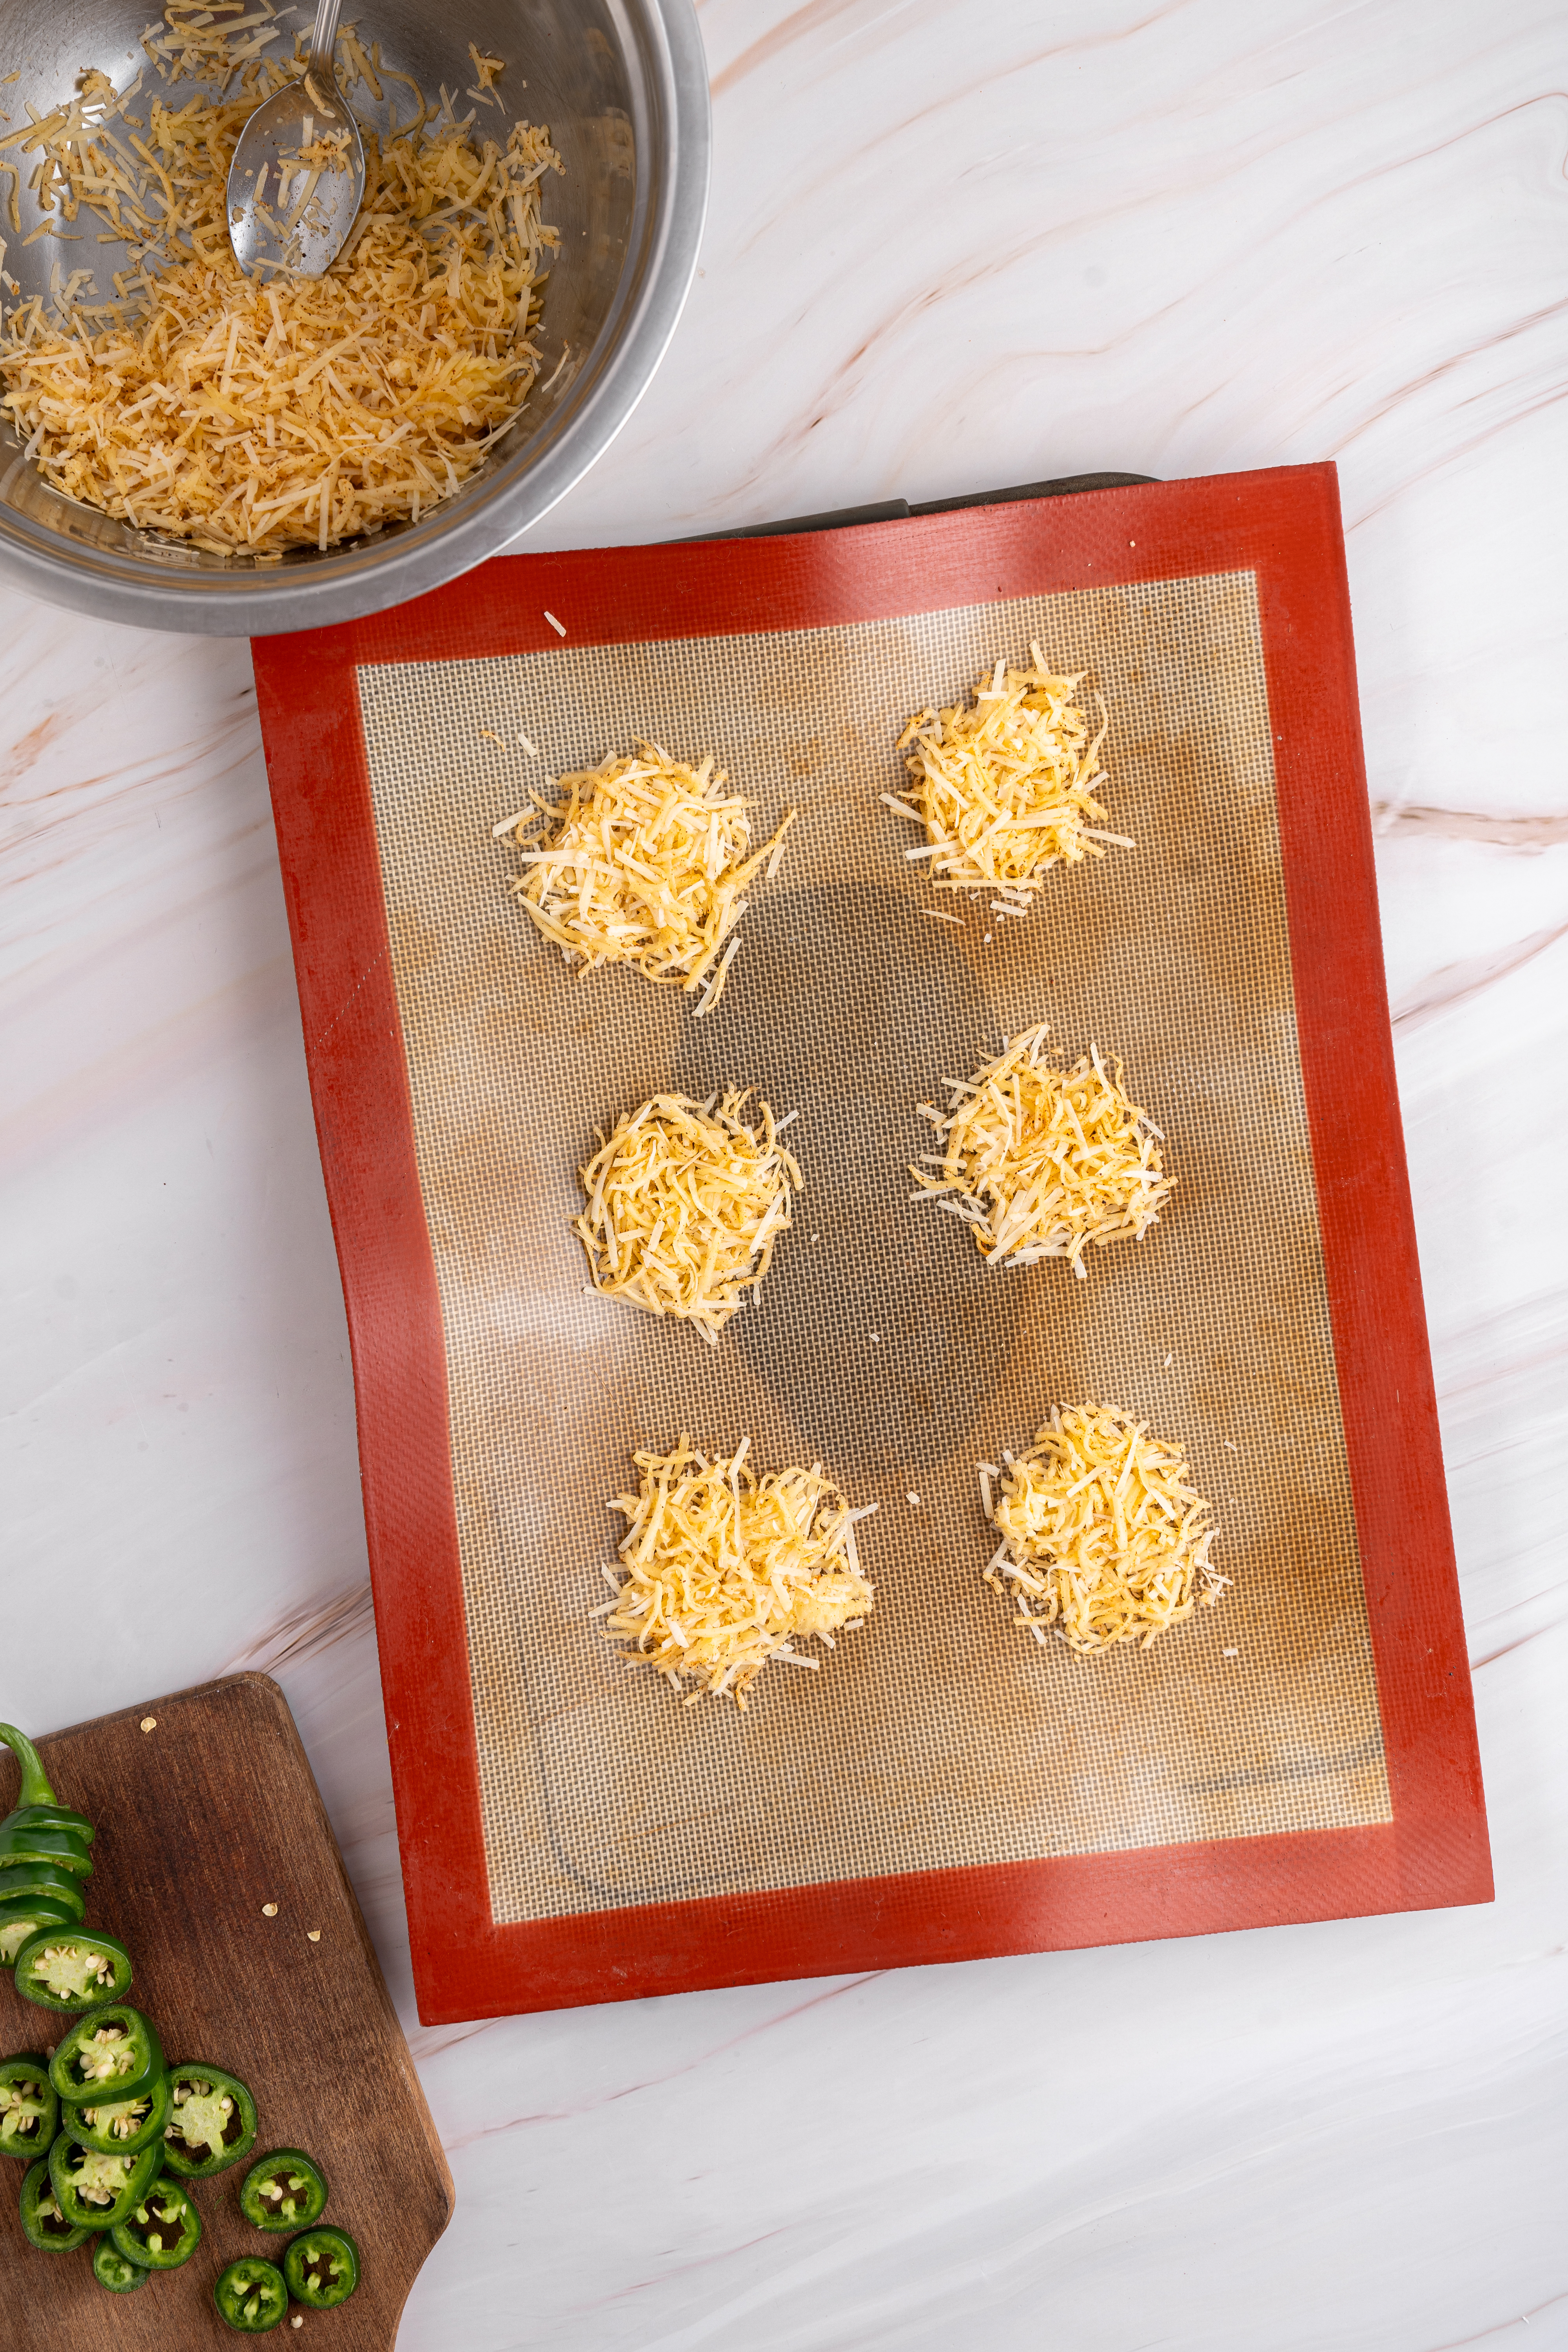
pixel 685 1203
pixel 644 861
pixel 249 417
pixel 723 1569
pixel 1040 1162
pixel 1101 1530
pixel 1005 790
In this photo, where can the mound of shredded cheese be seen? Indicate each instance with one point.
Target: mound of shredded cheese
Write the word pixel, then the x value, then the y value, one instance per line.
pixel 1005 790
pixel 722 1569
pixel 1041 1162
pixel 685 1203
pixel 644 861
pixel 248 418
pixel 1101 1531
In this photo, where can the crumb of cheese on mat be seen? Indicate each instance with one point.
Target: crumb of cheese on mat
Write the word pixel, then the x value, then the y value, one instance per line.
pixel 1041 1162
pixel 725 1568
pixel 1103 1538
pixel 684 1202
pixel 644 861
pixel 1006 790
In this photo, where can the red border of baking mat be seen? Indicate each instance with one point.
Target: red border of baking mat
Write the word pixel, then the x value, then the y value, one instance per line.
pixel 1283 525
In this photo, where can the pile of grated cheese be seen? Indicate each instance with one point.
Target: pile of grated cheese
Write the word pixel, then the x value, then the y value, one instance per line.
pixel 1005 791
pixel 1040 1162
pixel 722 1569
pixel 644 863
pixel 685 1203
pixel 252 418
pixel 1101 1531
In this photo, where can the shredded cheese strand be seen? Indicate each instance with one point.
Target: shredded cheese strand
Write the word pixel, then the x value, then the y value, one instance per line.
pixel 1040 1162
pixel 1005 790
pixel 724 1569
pixel 248 417
pixel 644 861
pixel 1102 1530
pixel 685 1204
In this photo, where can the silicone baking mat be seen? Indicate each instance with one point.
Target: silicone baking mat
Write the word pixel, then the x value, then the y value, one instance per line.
pixel 942 1784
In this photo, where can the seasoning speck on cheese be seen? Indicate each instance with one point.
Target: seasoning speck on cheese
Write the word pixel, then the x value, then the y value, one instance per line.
pixel 684 1202
pixel 725 1568
pixel 1102 1532
pixel 1040 1162
pixel 1006 790
pixel 644 861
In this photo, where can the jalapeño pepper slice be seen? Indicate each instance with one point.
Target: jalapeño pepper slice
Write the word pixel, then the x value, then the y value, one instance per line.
pixel 123 2126
pixel 211 2122
pixel 43 2224
pixel 40 1830
pixel 37 1840
pixel 110 2054
pixel 251 2296
pixel 110 2269
pixel 40 1882
pixel 94 2190
pixel 322 2268
pixel 29 2110
pixel 284 2191
pixel 51 1816
pixel 163 2231
pixel 22 1915
pixel 78 1969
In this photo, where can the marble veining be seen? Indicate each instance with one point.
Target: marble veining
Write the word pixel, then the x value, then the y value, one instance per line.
pixel 947 251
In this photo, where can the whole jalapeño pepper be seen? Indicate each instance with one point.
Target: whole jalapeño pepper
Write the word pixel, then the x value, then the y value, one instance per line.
pixel 43 1856
pixel 41 1829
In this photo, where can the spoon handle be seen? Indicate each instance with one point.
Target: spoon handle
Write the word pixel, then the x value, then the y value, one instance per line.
pixel 323 36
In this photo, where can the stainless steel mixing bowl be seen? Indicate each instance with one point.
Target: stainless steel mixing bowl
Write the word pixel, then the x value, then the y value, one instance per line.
pixel 622 85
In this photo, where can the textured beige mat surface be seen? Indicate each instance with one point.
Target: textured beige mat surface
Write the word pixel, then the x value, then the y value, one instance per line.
pixel 939 1735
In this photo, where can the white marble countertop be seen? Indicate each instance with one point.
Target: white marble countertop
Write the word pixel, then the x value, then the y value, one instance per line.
pixel 948 249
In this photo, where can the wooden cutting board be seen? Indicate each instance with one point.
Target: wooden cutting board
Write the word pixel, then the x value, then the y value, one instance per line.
pixel 202 1821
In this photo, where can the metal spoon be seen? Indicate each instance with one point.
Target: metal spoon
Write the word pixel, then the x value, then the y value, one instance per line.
pixel 298 174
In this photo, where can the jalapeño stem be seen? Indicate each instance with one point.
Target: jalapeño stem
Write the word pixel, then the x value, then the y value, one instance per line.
pixel 35 1788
